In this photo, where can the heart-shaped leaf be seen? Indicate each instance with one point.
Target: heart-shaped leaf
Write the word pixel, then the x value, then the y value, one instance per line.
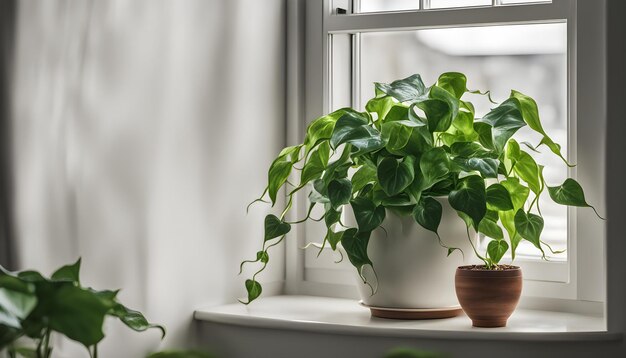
pixel 68 273
pixel 274 227
pixel 316 164
pixel 490 228
pixel 427 213
pixel 339 192
pixel 368 216
pixel 505 120
pixel 470 198
pixel 570 193
pixel 434 165
pixel 355 243
pixel 529 226
pixel 363 176
pixel 487 167
pixel 496 249
pixel 135 320
pixel 394 176
pixel 254 291
pixel 453 82
pixel 498 198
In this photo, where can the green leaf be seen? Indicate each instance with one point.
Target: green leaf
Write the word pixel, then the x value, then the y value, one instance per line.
pixel 68 273
pixel 490 229
pixel 518 192
pixel 434 165
pixel 8 335
pixel 334 238
pixel 469 150
pixel 135 320
pixel 316 164
pixel 528 170
pixel 505 120
pixel 368 216
pixel 280 169
pixel 569 193
pixel 469 197
pixel 396 135
pixel 322 128
pixel 487 167
pixel 262 256
pixel 355 243
pixel 498 198
pixel 496 249
pixel 529 227
pixel 339 192
pixel 530 114
pixel 15 305
pixel 274 227
pixel 484 134
pixel 75 312
pixel 353 128
pixel 404 90
pixel 380 106
pixel 254 290
pixel 427 213
pixel 507 218
pixel 453 82
pixel 394 176
pixel 364 175
pixel 331 216
pixel 438 114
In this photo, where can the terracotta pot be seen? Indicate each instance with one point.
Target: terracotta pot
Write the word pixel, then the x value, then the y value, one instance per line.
pixel 488 297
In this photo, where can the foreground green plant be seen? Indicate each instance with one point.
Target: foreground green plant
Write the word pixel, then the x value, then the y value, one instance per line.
pixel 34 307
pixel 412 144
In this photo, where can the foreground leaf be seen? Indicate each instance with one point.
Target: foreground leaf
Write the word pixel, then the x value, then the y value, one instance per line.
pixel 135 320
pixel 68 273
pixel 355 243
pixel 498 198
pixel 254 290
pixel 404 90
pixel 394 176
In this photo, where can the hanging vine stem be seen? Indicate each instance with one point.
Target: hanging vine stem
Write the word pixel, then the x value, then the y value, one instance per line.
pixel 469 237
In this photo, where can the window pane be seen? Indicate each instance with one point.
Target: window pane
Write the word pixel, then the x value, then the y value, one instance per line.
pixel 523 1
pixel 528 58
pixel 437 4
pixel 388 5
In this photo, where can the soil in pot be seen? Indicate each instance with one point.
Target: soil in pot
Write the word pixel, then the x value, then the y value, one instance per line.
pixel 488 297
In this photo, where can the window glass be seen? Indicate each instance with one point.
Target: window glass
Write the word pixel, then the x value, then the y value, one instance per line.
pixel 438 4
pixel 388 5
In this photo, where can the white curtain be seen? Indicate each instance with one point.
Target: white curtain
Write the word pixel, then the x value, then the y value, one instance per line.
pixel 141 130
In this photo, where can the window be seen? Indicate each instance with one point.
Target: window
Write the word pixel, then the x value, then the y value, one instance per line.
pixel 531 46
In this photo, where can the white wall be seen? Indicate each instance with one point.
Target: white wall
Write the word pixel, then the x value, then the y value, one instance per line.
pixel 142 129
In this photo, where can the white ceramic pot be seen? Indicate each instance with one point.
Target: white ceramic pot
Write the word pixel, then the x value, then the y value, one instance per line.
pixel 412 270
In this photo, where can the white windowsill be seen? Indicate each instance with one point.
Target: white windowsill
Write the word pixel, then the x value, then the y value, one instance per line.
pixel 344 316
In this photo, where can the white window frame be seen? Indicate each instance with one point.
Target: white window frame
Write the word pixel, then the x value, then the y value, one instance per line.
pixel 309 97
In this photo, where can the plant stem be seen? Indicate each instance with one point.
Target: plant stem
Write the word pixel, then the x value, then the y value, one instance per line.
pixel 46 345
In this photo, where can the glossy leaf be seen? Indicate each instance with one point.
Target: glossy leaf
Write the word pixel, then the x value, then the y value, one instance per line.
pixel 529 226
pixel 528 170
pixel 331 217
pixel 453 82
pixel 496 249
pixel 569 193
pixel 380 106
pixel 274 227
pixel 353 128
pixel 434 165
pixel 135 320
pixel 322 128
pixel 339 192
pixel 316 164
pixel 517 192
pixel 368 216
pixel 490 228
pixel 530 114
pixel 469 197
pixel 427 213
pixel 355 243
pixel 505 120
pixel 498 198
pixel 404 90
pixel 487 167
pixel 364 175
pixel 394 176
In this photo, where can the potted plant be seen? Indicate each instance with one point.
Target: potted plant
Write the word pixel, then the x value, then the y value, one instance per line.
pixel 34 307
pixel 404 170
